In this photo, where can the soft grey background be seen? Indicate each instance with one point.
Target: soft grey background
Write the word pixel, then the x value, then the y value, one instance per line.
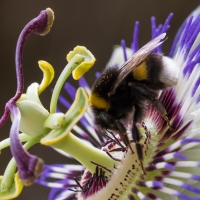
pixel 98 25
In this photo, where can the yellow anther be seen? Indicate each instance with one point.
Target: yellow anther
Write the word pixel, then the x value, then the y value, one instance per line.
pixel 88 62
pixel 48 75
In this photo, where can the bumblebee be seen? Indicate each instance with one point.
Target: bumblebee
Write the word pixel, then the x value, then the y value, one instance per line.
pixel 124 91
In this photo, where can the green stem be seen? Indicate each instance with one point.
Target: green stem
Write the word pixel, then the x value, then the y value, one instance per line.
pixel 8 176
pixel 5 143
pixel 74 62
pixel 85 153
pixel 9 173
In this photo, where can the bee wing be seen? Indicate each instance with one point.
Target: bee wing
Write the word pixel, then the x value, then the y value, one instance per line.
pixel 136 59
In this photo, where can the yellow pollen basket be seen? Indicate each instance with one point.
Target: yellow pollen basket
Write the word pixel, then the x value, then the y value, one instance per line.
pixel 98 102
pixel 141 72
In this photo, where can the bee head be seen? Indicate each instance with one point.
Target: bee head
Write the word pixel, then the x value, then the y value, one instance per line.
pixel 103 120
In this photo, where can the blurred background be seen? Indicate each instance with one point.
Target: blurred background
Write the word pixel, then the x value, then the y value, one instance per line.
pixel 98 25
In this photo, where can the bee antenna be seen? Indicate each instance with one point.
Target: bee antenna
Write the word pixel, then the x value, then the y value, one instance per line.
pixel 114 139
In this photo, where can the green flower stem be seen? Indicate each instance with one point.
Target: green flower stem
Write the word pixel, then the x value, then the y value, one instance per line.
pixel 6 143
pixel 8 176
pixel 85 153
pixel 74 62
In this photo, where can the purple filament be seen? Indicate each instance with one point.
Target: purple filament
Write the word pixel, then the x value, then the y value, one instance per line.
pixel 134 44
pixel 123 44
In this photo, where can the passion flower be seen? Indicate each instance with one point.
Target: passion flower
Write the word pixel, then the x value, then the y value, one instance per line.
pixel 109 169
pixel 171 162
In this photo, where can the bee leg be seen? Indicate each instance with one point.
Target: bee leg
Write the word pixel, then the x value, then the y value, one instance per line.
pixel 136 135
pixel 161 109
pixel 136 139
pixel 152 97
pixel 123 134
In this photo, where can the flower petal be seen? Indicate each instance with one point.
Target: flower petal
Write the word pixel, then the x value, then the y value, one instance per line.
pixel 33 117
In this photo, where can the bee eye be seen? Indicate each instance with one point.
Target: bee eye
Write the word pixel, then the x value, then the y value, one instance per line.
pixel 107 118
pixel 103 116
